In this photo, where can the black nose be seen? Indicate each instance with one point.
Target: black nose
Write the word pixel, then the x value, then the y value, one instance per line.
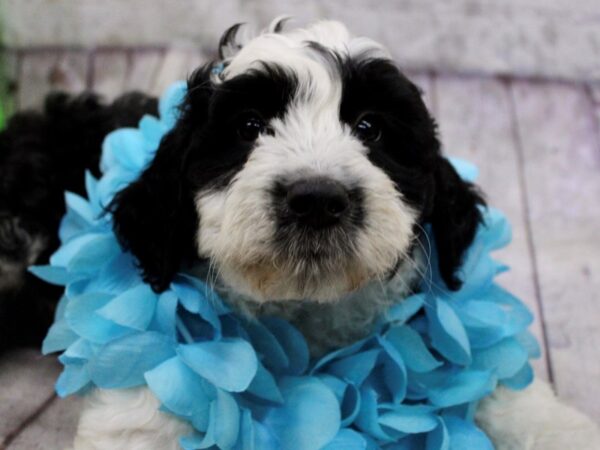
pixel 317 202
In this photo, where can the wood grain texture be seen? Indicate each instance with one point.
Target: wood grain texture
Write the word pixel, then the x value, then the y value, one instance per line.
pixel 144 67
pixel 26 383
pixel 561 159
pixel 178 64
pixel 110 72
pixel 35 78
pixel 476 124
pixel 53 429
pixel 557 38
pixel 70 72
pixel 424 82
pixel 43 72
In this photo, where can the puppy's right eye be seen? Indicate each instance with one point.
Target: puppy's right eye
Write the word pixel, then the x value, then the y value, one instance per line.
pixel 250 127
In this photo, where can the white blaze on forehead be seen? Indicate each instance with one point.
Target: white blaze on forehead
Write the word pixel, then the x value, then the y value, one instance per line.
pixel 313 114
pixel 291 51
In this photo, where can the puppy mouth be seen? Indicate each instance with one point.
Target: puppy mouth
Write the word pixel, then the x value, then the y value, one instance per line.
pixel 322 267
pixel 322 248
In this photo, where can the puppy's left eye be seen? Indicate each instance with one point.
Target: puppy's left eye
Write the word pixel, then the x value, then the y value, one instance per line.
pixel 368 129
pixel 250 127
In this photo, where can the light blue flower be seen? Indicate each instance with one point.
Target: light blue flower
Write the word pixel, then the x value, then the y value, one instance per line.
pixel 242 385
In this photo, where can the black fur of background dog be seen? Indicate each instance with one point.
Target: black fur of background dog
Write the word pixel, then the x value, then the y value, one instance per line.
pixel 42 155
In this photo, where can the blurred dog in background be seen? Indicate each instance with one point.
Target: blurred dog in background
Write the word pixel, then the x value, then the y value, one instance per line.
pixel 42 155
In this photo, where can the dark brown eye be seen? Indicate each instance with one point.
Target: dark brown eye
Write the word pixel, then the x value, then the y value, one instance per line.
pixel 251 127
pixel 367 129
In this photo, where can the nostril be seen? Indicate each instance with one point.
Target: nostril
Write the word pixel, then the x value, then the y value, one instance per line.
pixel 317 201
pixel 336 206
pixel 301 205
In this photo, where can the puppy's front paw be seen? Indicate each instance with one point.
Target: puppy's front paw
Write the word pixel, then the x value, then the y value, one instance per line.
pixel 534 419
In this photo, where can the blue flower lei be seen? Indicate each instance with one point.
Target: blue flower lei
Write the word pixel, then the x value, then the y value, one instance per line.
pixel 414 383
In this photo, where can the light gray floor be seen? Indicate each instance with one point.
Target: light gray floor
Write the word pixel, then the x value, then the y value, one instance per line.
pixel 537 144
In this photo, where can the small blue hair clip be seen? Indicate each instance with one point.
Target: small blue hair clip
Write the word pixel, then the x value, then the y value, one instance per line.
pixel 218 69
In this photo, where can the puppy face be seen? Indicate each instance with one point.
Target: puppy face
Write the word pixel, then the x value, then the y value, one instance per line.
pixel 303 170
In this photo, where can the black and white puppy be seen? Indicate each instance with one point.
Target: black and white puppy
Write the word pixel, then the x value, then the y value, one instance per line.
pixel 302 173
pixel 297 179
pixel 42 154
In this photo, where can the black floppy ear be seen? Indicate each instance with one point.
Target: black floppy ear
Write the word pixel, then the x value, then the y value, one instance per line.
pixel 454 219
pixel 154 217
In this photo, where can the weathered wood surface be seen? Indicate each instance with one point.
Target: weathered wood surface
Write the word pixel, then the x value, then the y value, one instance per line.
pixel 537 145
pixel 542 38
pixel 558 140
pixel 53 429
pixel 26 387
pixel 109 72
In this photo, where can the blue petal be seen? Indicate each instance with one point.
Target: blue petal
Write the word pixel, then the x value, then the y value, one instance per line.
pixel 504 359
pixel 348 397
pixel 223 428
pixel 337 354
pixel 496 232
pixel 356 368
pixel 53 274
pixel 80 349
pixel 448 336
pixel 368 417
pixel 73 378
pixel 350 405
pixel 413 350
pixel 467 171
pixel 465 435
pixel 401 312
pixel 68 250
pixel 152 130
pixel 439 439
pixel 81 316
pixel 134 308
pixel 224 421
pixel 117 276
pixel 123 362
pixel 194 298
pixel 112 182
pixel 230 364
pixel 169 103
pixel 530 344
pixel 79 217
pixel 59 337
pixel 179 388
pixel 123 147
pixel 408 442
pixel 394 371
pixel 410 419
pixel 347 439
pixel 93 254
pixel 165 315
pixel 309 418
pixel 267 346
pixel 91 186
pixel 463 387
pixel 264 386
pixel 292 341
pixel 521 379
pixel 81 207
pixel 191 442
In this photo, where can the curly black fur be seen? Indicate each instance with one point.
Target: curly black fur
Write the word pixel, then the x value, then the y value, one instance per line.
pixel 43 154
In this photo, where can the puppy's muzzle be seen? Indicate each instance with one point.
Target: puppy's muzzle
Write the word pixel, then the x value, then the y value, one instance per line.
pixel 317 202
